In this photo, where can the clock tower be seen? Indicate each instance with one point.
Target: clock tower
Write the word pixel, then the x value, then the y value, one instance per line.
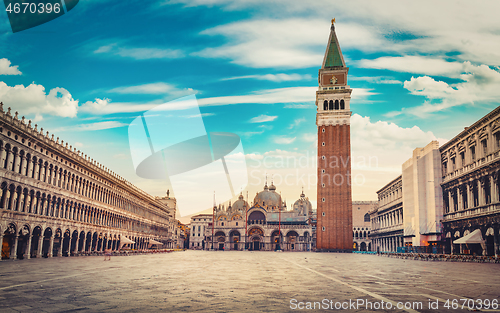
pixel 334 214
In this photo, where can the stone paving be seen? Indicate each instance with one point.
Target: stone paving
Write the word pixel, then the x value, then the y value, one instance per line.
pixel 240 281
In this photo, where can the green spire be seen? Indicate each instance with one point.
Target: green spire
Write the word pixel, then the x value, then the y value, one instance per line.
pixel 333 56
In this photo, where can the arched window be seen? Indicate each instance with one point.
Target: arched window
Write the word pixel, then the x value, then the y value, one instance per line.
pixel 336 104
pixel 342 104
pixel 367 217
pixel 325 105
pixel 330 105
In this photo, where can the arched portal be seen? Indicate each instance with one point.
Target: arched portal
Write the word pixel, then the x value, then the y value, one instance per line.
pixel 234 239
pixel 292 239
pixel 47 235
pixel 256 236
pixel 362 246
pixel 220 239
pixel 8 241
pixel 36 242
pixel 276 240
pixel 74 242
pixel 66 243
pixel 57 245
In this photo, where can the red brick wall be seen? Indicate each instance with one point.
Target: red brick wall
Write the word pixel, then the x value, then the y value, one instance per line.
pixel 337 191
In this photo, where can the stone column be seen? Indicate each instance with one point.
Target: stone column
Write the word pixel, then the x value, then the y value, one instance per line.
pixel 3 153
pixel 16 163
pixel 13 250
pixel 23 165
pixel 480 191
pixel 27 252
pixel 470 195
pixel 495 242
pixel 1 242
pixel 61 242
pixel 30 168
pixel 51 246
pixel 36 169
pixel 494 188
pixel 40 246
pixel 10 159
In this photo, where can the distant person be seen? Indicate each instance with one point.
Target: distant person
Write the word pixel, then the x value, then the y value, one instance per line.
pixel 107 254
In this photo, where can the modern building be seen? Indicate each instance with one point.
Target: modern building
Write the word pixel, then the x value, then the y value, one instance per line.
pixel 266 225
pixel 471 186
pixel 334 213
pixel 387 218
pixel 361 224
pixel 422 199
pixel 410 207
pixel 57 201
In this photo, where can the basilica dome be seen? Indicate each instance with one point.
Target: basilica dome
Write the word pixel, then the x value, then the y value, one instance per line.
pixel 303 206
pixel 240 204
pixel 268 198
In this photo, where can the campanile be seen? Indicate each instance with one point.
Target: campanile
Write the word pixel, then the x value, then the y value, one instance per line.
pixel 334 226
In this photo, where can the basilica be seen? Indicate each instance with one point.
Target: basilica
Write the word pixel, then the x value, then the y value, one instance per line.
pixel 267 224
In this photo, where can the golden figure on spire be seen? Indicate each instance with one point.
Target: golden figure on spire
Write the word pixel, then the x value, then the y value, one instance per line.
pixel 333 20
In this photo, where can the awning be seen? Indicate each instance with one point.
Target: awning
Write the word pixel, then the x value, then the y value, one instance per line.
pixel 124 240
pixel 154 242
pixel 474 237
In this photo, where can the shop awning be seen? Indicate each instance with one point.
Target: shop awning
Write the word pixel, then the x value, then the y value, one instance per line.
pixel 124 240
pixel 154 242
pixel 474 237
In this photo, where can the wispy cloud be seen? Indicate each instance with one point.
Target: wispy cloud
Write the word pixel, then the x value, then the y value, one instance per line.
pixel 153 89
pixel 284 140
pixel 274 77
pixel 297 122
pixel 7 69
pixel 262 119
pixel 91 126
pixel 138 53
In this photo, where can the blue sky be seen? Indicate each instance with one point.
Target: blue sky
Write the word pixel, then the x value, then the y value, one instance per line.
pixel 420 72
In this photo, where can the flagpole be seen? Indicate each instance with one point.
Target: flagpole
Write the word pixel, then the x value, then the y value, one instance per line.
pixel 213 222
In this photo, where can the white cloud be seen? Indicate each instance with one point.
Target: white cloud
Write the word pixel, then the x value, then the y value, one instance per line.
pixel 33 99
pixel 377 79
pixel 7 69
pixel 278 153
pixel 91 126
pixel 297 122
pixel 278 95
pixel 263 118
pixel 298 106
pixel 415 64
pixel 141 53
pixel 274 77
pixel 284 140
pixel 479 84
pixel 153 89
pixel 310 137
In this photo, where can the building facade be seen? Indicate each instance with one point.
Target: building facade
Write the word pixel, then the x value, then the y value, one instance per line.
pixel 266 225
pixel 201 228
pixel 361 224
pixel 422 199
pixel 387 219
pixel 334 213
pixel 471 186
pixel 55 200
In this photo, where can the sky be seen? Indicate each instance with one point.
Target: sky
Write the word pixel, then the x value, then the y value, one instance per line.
pixel 420 71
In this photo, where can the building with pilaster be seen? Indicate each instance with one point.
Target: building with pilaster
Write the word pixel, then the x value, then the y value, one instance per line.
pixel 57 201
pixel 470 164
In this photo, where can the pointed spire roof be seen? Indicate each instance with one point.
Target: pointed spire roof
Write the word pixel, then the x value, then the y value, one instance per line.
pixel 333 56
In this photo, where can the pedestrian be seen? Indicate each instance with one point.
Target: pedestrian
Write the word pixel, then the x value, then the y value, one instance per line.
pixel 107 254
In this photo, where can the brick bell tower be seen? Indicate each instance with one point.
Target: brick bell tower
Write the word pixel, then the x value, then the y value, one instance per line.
pixel 334 214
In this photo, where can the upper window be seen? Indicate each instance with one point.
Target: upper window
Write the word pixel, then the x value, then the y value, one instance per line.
pixel 367 217
pixel 336 104
pixel 342 104
pixel 325 105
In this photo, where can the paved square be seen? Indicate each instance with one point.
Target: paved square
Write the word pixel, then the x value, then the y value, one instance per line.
pixel 237 281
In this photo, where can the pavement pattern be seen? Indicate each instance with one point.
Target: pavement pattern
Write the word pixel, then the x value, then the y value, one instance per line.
pixel 242 281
